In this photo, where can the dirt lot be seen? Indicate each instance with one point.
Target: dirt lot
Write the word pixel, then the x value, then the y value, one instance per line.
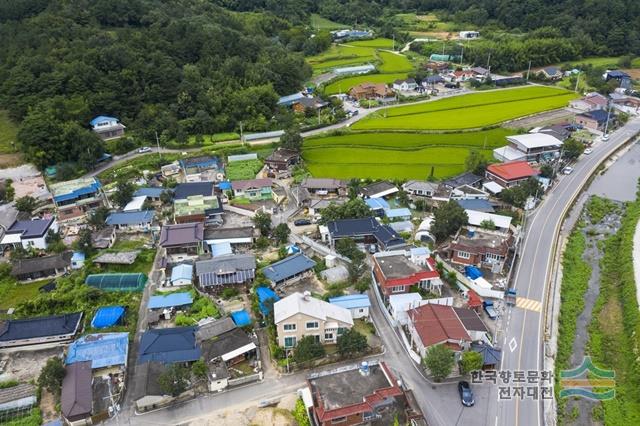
pixel 543 119
pixel 249 414
pixel 10 160
pixel 25 365
pixel 309 283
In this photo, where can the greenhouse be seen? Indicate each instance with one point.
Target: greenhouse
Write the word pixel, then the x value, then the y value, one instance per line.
pixel 117 282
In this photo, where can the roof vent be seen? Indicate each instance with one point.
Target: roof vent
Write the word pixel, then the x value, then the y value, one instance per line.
pixel 306 295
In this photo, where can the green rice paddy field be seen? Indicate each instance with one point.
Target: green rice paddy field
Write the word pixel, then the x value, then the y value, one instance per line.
pixel 397 155
pixel 467 112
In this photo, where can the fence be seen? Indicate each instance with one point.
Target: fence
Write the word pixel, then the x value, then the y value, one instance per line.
pixel 245 379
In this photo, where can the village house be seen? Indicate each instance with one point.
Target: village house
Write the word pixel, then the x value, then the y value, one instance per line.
pixel 299 315
pixel 397 271
pixel 366 230
pixel 171 169
pixel 36 268
pixel 324 187
pixel 626 104
pixel 508 175
pixel 204 168
pixel 182 241
pixel 40 332
pixel 183 191
pixel 104 238
pixel 236 237
pixel 596 119
pixel 306 103
pixel 364 394
pixel 489 221
pixel 529 147
pixel 132 221
pixel 289 269
pixel 420 188
pixel 227 270
pixel 370 91
pixel 107 127
pixel 29 233
pixel 589 102
pixel 466 178
pixel 405 85
pixel 282 159
pixel 253 189
pixel 74 198
pixel 151 193
pixel 378 190
pixel 479 248
pixel 357 304
pixel 198 208
pixel 550 73
pixel 432 324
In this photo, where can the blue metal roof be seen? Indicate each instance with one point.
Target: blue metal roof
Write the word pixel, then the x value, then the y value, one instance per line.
pixel 599 115
pixel 225 186
pixel 264 294
pixel 377 203
pixel 241 318
pixel 172 300
pixel 102 118
pixel 184 271
pixel 290 99
pixel 131 218
pixel 477 205
pixel 169 345
pixel 86 190
pixel 351 301
pixel 394 213
pixel 152 192
pixel 107 316
pixel 220 249
pixel 288 267
pixel 103 350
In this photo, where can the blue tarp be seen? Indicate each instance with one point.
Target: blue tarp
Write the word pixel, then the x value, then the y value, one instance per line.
pixel 472 272
pixel 170 300
pixel 224 186
pixel 264 294
pixel 241 318
pixel 107 316
pixel 103 350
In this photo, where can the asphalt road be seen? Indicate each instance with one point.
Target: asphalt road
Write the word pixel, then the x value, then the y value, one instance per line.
pixel 523 343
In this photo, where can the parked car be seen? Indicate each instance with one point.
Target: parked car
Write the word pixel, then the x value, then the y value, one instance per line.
pixel 144 149
pixel 489 309
pixel 588 151
pixel 466 394
pixel 567 170
pixel 605 137
pixel 301 222
pixel 451 85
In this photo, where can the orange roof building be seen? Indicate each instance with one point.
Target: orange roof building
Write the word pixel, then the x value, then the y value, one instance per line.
pixel 510 174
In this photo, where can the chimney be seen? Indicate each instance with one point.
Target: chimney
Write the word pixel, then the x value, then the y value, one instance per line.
pixel 306 295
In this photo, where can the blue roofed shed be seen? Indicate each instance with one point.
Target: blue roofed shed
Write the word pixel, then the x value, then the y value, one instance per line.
pixel 77 260
pixel 133 219
pixel 241 318
pixel 264 294
pixel 357 304
pixel 102 119
pixel 377 204
pixel 174 300
pixel 290 99
pixel 472 272
pixel 149 192
pixel 220 249
pixel 478 205
pixel 225 186
pixel 107 316
pixel 288 268
pixel 182 274
pixel 103 350
pixel 401 213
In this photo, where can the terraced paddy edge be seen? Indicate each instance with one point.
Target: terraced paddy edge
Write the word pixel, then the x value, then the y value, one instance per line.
pixel 377 43
pixel 394 62
pixel 397 155
pixel 465 112
pixel 343 85
pixel 342 55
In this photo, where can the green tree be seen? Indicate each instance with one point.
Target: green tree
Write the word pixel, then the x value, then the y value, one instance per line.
pixel 347 247
pixel 174 379
pixel 26 204
pixel 440 361
pixel 471 361
pixel 54 242
pixel 353 188
pixel 363 284
pixel 351 342
pixel 262 221
pixel 166 197
pixel 518 195
pixel 307 349
pixel 572 148
pixel 84 242
pixel 199 369
pixel 291 139
pixel 124 192
pixel 51 375
pixel 300 413
pixel 281 233
pixel 98 217
pixel 547 170
pixel 475 162
pixel 261 243
pixel 352 209
pixel 488 224
pixel 448 219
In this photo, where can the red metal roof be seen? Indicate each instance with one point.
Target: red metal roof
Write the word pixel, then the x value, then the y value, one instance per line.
pixel 411 279
pixel 437 324
pixel 512 171
pixel 474 300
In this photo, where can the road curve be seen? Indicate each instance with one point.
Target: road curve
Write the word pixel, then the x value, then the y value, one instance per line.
pixel 523 342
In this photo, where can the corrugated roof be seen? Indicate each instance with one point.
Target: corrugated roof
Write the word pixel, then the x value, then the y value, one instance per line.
pixel 534 140
pixel 131 218
pixel 227 269
pixel 351 301
pixel 58 261
pixel 13 393
pixel 400 212
pixel 243 185
pixel 477 205
pixel 221 249
pixel 135 204
pixel 470 320
pixel 173 300
pixel 190 189
pixel 476 218
pixel 103 350
pixel 288 267
pixel 512 171
pixel 152 192
pixel 215 328
pixel 377 203
pixel 242 157
pixel 183 271
pixel 31 228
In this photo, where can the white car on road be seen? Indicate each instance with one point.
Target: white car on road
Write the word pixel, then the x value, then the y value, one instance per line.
pixel 144 149
pixel 588 151
pixel 567 170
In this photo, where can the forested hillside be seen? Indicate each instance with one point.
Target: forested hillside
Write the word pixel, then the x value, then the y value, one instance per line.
pixel 166 66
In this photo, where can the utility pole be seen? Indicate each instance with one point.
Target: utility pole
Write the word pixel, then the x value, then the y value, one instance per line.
pixel 394 43
pixel 489 64
pixel 528 70
pixel 442 47
pixel 485 143
pixel 606 125
pixel 158 144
